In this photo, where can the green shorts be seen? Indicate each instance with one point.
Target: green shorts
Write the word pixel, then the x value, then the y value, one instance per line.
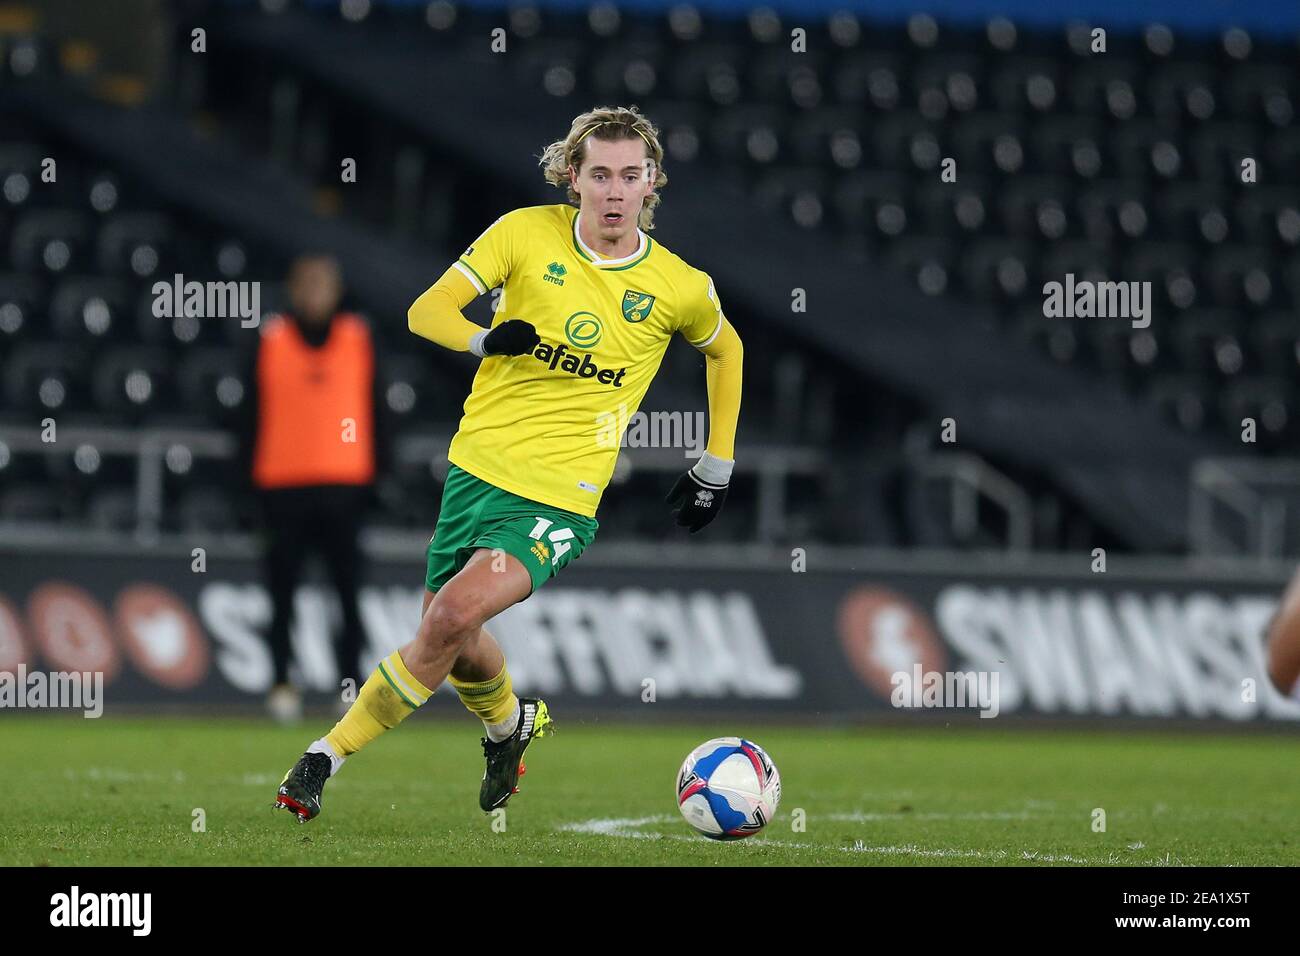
pixel 475 514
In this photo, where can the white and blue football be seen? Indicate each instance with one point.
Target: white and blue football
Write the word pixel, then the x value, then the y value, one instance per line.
pixel 728 788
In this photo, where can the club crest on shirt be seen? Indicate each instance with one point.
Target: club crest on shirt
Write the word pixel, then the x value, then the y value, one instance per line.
pixel 637 305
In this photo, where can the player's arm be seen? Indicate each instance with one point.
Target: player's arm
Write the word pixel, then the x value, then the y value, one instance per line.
pixel 436 315
pixel 698 495
pixel 723 361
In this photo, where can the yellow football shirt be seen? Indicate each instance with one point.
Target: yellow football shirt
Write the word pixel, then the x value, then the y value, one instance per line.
pixel 539 425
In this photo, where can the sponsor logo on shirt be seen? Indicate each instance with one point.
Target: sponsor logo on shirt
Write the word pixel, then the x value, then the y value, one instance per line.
pixel 582 329
pixel 559 358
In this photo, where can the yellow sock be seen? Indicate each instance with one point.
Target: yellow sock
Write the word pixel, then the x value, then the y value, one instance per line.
pixel 492 701
pixel 389 696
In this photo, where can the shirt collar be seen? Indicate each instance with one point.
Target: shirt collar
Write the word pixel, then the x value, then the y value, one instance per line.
pixel 597 260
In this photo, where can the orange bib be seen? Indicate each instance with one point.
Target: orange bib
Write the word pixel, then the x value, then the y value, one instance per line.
pixel 315 414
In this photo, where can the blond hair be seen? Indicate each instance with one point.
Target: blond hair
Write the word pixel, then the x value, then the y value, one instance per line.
pixel 607 123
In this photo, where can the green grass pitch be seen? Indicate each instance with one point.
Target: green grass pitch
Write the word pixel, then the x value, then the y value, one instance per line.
pixel 119 791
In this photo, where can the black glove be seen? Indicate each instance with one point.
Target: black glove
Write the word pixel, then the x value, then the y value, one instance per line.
pixel 511 337
pixel 695 502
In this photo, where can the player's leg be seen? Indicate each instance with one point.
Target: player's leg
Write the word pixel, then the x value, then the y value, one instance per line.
pixel 1283 651
pixel 542 540
pixel 454 618
pixel 481 659
pixel 453 623
pixel 510 723
pixel 482 682
pixel 391 692
pixel 479 591
pixel 405 679
pixel 490 549
pixel 482 663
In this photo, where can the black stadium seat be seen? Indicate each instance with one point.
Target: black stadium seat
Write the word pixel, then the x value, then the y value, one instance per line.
pixel 134 381
pixel 51 241
pixel 23 300
pixel 26 502
pixel 135 243
pixel 46 377
pixel 90 309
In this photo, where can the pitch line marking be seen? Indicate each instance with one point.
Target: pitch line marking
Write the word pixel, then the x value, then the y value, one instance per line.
pixel 628 828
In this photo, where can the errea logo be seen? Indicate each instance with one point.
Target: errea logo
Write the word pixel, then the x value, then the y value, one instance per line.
pixel 555 273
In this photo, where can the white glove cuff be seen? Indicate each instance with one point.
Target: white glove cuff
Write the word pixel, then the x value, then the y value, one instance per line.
pixel 476 343
pixel 711 470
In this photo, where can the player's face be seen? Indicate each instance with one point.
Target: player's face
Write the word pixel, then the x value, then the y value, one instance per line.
pixel 612 185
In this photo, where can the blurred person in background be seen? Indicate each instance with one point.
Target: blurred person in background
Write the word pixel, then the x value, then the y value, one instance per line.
pixel 312 444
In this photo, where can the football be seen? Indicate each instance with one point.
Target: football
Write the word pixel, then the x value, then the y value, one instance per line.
pixel 728 788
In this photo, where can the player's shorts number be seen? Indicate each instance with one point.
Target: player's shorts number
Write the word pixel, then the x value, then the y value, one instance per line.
pixel 559 537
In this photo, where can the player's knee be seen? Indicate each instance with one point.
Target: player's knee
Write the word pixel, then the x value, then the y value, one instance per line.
pixel 451 620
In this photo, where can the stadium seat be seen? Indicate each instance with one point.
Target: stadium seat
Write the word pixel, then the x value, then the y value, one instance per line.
pixel 205 509
pixel 51 241
pixel 22 503
pixel 22 302
pixel 46 377
pixel 1181 397
pixel 208 383
pixel 111 509
pixel 1206 342
pixel 90 309
pixel 1275 340
pixel 134 381
pixel 1026 85
pixel 1269 401
pixel 1217 150
pixel 868 77
pixel 135 243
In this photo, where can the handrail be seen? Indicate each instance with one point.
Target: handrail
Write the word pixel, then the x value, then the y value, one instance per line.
pixel 773 464
pixel 971 477
pixel 1254 490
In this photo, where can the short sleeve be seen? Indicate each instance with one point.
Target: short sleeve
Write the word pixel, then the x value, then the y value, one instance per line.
pixel 490 258
pixel 701 312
